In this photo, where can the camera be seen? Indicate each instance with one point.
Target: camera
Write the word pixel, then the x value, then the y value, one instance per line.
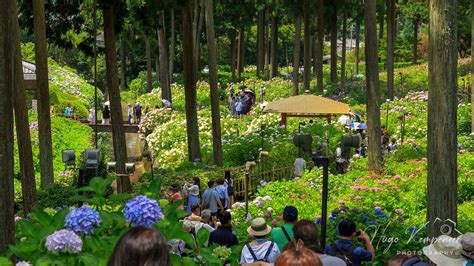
pixel 357 233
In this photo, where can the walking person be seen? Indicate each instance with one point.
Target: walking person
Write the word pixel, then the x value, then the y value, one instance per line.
pixel 130 114
pixel 106 115
pixel 262 92
pixel 221 190
pixel 229 183
pixel 92 115
pixel 210 199
pixel 138 113
pixel 193 193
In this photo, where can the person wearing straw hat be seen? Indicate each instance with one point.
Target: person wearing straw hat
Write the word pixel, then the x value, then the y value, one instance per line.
pixel 467 243
pixel 445 250
pixel 260 249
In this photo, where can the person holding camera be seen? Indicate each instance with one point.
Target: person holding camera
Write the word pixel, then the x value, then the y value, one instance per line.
pixel 345 249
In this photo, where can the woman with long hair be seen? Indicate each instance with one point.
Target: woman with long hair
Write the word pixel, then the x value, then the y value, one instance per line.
pixel 193 194
pixel 140 246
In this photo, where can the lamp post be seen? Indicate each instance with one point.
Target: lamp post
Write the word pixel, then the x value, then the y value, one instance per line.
pixel 263 126
pixel 402 120
pixel 324 203
pixel 386 117
pixel 94 19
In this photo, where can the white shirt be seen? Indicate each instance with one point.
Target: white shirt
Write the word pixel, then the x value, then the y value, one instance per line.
pixel 260 252
pixel 300 165
pixel 194 190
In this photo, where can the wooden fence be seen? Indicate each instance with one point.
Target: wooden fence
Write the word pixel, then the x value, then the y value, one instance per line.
pixel 255 176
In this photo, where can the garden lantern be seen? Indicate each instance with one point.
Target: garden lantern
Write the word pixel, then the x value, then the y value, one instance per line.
pixel 69 158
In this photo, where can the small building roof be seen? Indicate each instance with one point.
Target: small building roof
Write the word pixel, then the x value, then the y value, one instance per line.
pixel 29 70
pixel 307 104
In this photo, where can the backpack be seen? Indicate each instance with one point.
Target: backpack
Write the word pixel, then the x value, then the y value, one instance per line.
pixel 286 234
pixel 267 254
pixel 230 188
pixel 343 254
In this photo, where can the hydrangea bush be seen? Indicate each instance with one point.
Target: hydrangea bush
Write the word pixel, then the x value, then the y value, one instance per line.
pixel 64 241
pixel 82 220
pixel 142 211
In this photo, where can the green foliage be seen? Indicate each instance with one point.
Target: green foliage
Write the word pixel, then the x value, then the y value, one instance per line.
pixel 56 195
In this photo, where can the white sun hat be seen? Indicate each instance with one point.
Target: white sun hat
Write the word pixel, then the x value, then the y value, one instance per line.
pixel 445 251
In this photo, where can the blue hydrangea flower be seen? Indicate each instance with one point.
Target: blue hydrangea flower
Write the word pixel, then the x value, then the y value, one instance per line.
pixel 319 220
pixel 400 219
pixel 378 211
pixel 331 218
pixel 142 211
pixel 412 230
pixel 334 212
pixel 82 220
pixel 64 241
pixel 369 222
pixel 364 215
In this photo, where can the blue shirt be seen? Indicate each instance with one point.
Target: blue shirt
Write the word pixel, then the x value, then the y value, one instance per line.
pixel 222 193
pixel 358 255
pixel 210 198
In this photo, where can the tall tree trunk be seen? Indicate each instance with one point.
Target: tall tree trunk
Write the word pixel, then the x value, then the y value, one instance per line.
pixel 164 68
pixel 42 93
pixel 240 52
pixel 472 67
pixel 320 45
pixel 192 129
pixel 123 63
pixel 334 44
pixel 260 41
pixel 157 60
pixel 416 22
pixel 233 48
pixel 7 213
pixel 27 171
pixel 344 40
pixel 118 132
pixel 442 116
pixel 266 67
pixel 307 47
pixel 149 68
pixel 381 20
pixel 390 47
pixel 373 87
pixel 274 43
pixel 357 45
pixel 212 54
pixel 314 54
pixel 197 45
pixel 172 48
pixel 296 53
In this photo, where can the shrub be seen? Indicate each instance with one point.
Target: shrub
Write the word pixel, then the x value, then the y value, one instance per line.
pixel 56 195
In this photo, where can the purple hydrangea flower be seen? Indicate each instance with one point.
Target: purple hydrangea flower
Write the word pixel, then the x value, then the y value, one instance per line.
pixel 334 212
pixel 65 241
pixel 142 211
pixel 82 220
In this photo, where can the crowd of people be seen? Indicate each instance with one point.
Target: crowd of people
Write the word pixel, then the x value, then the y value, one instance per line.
pixel 294 243
pixel 240 103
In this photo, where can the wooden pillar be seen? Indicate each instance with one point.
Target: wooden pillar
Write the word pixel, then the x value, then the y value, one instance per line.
pixel 283 119
pixel 329 119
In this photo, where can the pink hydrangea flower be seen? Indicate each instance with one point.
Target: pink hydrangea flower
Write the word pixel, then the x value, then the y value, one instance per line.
pixel 274 222
pixel 342 201
pixel 396 177
pixel 395 188
pixel 358 198
pixel 398 210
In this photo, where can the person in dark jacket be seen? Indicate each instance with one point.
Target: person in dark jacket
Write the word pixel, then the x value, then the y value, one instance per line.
pixel 223 235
